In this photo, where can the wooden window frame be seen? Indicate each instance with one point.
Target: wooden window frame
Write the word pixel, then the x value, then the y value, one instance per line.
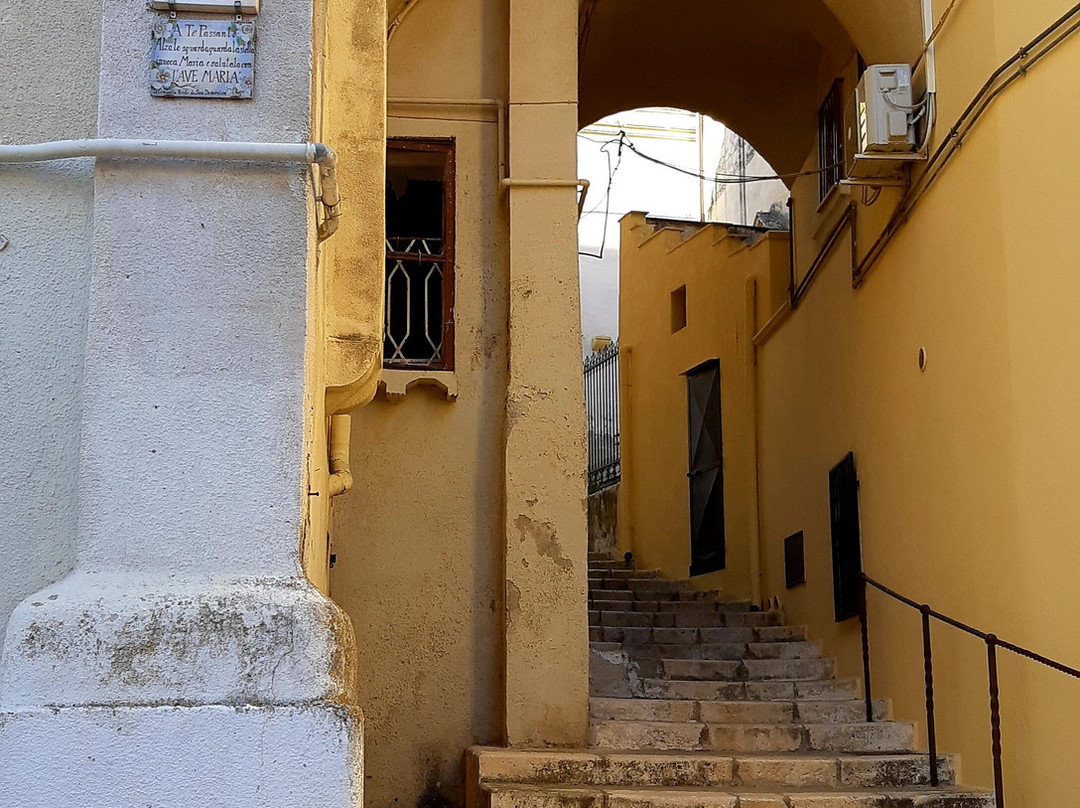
pixel 446 146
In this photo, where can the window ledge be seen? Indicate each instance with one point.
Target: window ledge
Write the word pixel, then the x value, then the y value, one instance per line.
pixel 830 210
pixel 395 384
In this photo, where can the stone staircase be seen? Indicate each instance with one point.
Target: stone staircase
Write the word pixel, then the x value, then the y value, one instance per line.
pixel 701 703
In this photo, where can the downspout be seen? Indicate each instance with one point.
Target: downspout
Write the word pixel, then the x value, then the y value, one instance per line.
pixel 340 437
pixel 750 374
pixel 316 154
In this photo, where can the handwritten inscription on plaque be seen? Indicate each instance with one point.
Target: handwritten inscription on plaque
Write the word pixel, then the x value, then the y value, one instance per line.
pixel 202 58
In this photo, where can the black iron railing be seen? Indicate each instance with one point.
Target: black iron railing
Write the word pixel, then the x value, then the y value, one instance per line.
pixel 992 644
pixel 602 408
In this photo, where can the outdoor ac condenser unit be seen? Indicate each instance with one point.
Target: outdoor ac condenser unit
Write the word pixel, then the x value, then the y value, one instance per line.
pixel 881 126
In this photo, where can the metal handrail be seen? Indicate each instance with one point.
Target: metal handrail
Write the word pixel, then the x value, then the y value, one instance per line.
pixel 992 644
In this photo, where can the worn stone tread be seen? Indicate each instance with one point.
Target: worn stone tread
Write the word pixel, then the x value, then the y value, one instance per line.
pixel 511 795
pixel 653 768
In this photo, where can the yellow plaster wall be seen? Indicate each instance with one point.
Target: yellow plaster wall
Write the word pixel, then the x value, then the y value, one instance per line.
pixel 419 541
pixel 713 264
pixel 353 122
pixel 966 469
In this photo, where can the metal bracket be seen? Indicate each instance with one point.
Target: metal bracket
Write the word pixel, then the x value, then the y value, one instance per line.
pixel 248 7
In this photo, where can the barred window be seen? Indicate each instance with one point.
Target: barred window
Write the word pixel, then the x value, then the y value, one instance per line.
pixel 419 330
pixel 830 140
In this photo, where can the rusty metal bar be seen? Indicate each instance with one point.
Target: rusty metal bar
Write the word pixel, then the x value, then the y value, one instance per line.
pixel 995 719
pixel 928 668
pixel 864 630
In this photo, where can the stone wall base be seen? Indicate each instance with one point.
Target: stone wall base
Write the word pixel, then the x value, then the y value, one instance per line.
pixel 182 757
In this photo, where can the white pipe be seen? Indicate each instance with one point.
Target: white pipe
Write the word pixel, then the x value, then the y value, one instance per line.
pixel 928 31
pixel 482 103
pixel 311 153
pixel 508 183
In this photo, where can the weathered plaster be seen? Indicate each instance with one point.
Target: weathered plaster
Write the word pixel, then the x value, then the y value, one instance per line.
pixel 419 539
pixel 241 757
pixel 189 589
pixel 546 638
pixel 44 281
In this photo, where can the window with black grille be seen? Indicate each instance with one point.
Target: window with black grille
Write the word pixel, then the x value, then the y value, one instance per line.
pixel 419 330
pixel 831 139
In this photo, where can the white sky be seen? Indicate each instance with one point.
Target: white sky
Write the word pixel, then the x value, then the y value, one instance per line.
pixel 667 134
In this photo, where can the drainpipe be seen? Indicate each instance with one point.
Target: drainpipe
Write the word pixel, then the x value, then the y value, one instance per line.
pixel 750 374
pixel 341 479
pixel 316 154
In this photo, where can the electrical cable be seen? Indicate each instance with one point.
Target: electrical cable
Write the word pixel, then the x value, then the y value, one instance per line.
pixel 607 197
pixel 721 179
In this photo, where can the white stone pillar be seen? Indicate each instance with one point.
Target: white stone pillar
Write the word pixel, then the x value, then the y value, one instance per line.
pixel 187 661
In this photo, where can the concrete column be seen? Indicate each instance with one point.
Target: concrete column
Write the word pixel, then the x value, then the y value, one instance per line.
pixel 546 535
pixel 187 661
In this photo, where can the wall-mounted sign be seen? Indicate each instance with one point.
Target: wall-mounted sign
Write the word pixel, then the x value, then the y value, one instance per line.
pixel 202 58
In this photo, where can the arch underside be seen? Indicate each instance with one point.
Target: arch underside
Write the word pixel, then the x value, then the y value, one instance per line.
pixel 759 67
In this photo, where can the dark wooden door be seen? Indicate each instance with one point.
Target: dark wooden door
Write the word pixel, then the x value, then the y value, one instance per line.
pixel 846 543
pixel 707 550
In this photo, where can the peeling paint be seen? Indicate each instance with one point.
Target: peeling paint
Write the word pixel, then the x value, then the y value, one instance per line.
pixel 546 538
pixel 513 601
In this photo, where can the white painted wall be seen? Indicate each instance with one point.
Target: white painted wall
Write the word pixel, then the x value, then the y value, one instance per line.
pixel 45 214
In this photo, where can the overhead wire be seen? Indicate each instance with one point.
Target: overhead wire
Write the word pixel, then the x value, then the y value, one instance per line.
pixel 623 140
pixel 607 197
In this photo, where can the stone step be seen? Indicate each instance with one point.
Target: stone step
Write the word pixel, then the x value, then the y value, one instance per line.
pixel 685 651
pixel 620 588
pixel 526 796
pixel 728 670
pixel 599 579
pixel 735 712
pixel 701 769
pixel 861 738
pixel 704 611
pixel 697 618
pixel 821 690
pixel 733 643
pixel 649 601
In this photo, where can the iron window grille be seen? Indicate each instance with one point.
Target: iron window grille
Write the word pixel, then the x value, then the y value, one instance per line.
pixel 419 314
pixel 831 140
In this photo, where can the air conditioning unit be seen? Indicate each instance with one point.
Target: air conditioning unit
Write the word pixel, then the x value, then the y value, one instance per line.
pixel 881 124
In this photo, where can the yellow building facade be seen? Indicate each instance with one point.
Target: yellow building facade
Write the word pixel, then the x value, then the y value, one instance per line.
pixel 947 370
pixel 940 451
pixel 924 326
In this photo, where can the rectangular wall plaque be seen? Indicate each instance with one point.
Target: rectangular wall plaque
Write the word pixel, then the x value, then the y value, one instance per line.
pixel 199 58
